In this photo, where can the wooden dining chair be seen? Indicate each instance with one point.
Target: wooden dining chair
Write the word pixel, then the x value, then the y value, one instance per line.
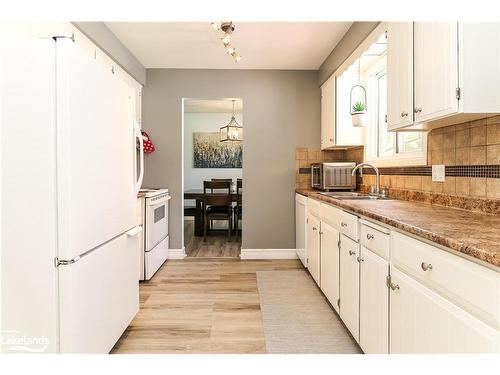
pixel 238 209
pixel 218 204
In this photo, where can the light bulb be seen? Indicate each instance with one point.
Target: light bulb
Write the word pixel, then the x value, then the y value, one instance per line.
pixel 229 50
pixel 226 39
pixel 237 57
pixel 216 25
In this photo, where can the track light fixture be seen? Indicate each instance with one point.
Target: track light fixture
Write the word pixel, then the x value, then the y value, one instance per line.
pixel 225 30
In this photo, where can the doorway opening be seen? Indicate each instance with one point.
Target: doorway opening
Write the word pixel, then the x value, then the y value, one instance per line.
pixel 212 177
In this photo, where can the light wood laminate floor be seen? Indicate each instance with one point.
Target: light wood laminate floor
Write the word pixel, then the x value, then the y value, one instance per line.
pixel 217 244
pixel 199 305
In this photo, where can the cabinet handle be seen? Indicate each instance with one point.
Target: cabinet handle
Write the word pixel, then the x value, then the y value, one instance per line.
pixel 352 252
pixel 314 228
pixel 394 286
pixel 404 114
pixel 331 139
pixel 369 236
pixel 417 110
pixel 359 259
pixel 320 232
pixel 342 224
pixel 426 266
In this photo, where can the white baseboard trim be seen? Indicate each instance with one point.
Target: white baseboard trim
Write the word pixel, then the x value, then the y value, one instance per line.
pixel 176 253
pixel 268 254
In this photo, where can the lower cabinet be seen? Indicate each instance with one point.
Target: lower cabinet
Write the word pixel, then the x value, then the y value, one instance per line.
pixel 424 322
pixel 373 303
pixel 330 263
pixel 313 247
pixel 349 285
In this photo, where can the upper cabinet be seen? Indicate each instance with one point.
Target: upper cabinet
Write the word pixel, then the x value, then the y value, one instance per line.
pixel 328 114
pixel 448 73
pixel 436 70
pixel 337 130
pixel 400 74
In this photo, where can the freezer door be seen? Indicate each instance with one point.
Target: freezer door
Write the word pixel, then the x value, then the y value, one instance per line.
pixel 99 296
pixel 95 151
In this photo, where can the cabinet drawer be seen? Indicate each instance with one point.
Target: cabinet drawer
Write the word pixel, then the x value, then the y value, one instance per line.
pixel 314 207
pixel 375 238
pixel 330 215
pixel 349 225
pixel 470 285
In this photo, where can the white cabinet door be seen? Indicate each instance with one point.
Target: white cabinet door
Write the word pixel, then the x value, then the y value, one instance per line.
pixel 313 247
pixel 399 74
pixel 300 229
pixel 330 263
pixel 328 113
pixel 436 69
pixel 373 303
pixel 349 285
pixel 424 322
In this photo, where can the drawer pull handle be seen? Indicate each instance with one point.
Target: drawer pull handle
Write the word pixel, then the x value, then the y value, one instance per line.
pixel 394 286
pixel 342 224
pixel 352 252
pixel 369 236
pixel 426 266
pixel 360 259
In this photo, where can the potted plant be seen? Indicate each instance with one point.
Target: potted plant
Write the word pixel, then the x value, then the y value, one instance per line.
pixel 358 113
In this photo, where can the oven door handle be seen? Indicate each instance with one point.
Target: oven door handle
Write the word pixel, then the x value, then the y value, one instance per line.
pixel 157 202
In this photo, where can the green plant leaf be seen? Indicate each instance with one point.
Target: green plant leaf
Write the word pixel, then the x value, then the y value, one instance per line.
pixel 359 107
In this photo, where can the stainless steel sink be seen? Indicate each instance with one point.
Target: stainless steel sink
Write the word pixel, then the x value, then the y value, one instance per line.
pixel 352 195
pixel 362 197
pixel 338 194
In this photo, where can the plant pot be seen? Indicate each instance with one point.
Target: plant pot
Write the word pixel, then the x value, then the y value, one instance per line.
pixel 358 119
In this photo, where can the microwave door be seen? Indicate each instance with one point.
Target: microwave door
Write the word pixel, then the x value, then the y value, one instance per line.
pixel 316 176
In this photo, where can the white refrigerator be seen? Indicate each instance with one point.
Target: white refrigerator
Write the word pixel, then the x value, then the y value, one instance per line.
pixel 80 287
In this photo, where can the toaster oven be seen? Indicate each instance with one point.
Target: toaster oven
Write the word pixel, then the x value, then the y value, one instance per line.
pixel 333 176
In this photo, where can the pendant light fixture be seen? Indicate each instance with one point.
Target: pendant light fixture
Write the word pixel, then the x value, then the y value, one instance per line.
pixel 357 101
pixel 232 131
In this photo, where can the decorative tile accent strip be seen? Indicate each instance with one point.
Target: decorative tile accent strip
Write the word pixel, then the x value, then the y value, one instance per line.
pixel 483 171
pixel 305 170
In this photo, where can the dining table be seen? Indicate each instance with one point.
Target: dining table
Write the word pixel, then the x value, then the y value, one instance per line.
pixel 199 197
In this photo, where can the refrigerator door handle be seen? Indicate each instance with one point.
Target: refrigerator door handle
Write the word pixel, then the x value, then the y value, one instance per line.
pixel 134 231
pixel 63 262
pixel 138 179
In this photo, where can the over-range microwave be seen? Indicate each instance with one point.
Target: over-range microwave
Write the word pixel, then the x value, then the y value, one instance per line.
pixel 333 176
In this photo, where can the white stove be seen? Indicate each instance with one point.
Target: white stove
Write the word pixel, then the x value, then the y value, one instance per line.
pixel 153 216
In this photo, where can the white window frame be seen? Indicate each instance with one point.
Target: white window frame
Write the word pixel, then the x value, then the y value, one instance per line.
pixel 371 131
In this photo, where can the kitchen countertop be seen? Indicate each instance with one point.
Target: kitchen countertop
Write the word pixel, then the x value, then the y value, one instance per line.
pixel 471 233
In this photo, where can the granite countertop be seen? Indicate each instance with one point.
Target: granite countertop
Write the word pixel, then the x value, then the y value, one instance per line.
pixel 471 233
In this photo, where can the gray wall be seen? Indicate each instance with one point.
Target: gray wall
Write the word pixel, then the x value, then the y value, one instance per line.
pixel 281 111
pixel 351 40
pixel 101 35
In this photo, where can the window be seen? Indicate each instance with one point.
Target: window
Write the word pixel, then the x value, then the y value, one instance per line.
pixel 368 66
pixel 384 148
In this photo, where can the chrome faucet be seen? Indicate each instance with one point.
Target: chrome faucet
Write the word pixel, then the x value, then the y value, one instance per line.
pixel 361 165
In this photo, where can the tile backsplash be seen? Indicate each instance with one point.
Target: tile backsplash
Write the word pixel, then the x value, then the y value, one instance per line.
pixel 470 151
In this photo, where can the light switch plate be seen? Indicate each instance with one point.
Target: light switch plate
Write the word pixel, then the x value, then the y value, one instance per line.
pixel 438 173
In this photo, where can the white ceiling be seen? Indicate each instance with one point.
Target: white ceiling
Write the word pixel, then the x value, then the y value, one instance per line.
pixel 212 106
pixel 262 45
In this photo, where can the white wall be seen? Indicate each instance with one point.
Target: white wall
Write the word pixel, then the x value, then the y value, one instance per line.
pixel 205 122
